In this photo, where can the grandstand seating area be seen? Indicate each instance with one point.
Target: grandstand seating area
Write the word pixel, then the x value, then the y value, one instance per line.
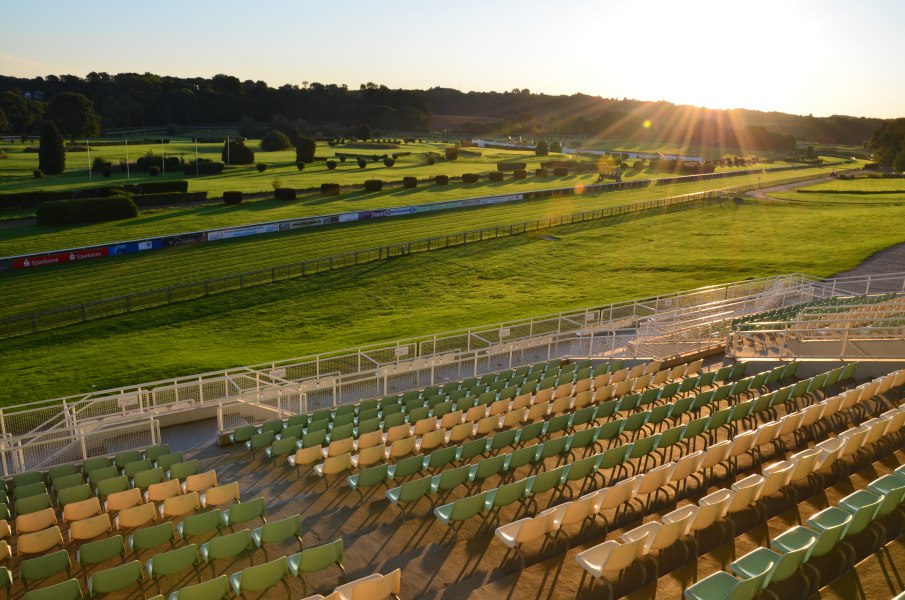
pixel 562 479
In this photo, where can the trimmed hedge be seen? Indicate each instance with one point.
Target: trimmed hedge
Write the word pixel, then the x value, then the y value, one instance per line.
pixel 232 197
pixel 441 180
pixel 331 164
pixel 495 176
pixel 158 187
pixel 470 177
pixel 329 189
pixel 409 182
pixel 541 173
pixel 511 166
pixel 171 198
pixel 284 194
pixel 560 171
pixel 519 174
pixel 204 167
pixel 261 167
pixel 373 185
pixel 451 153
pixel 86 210
pixel 389 162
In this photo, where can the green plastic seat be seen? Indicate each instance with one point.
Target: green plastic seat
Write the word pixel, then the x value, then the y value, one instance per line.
pixel 554 447
pixel 279 531
pixel 341 432
pixel 155 452
pixel 448 480
pixel 440 458
pixel 462 509
pixel 393 420
pixel 546 481
pixel 473 448
pixel 57 471
pixel 532 431
pixel 137 466
pixel 32 504
pixel 151 537
pixel 831 525
pixel 66 481
pixel 486 468
pixel 610 430
pixel 29 489
pixel 367 426
pixel 316 559
pixel 504 439
pixel 644 446
pixel 583 468
pixel 44 567
pixel 116 579
pixel 181 470
pixel 409 493
pixel 226 546
pixel 260 440
pixel 370 477
pixel 28 478
pixel 892 488
pixel 124 458
pixel 97 462
pixel 636 421
pixel 113 485
pixel 199 524
pixel 557 424
pixel 102 473
pixel 408 466
pixel 281 447
pixel 507 494
pixel 785 564
pixel 615 457
pixel 724 586
pixel 243 512
pixel 272 426
pixel 144 479
pixel 212 589
pixel 314 438
pixel 67 590
pixel 260 577
pixel 298 420
pixel 863 506
pixel 165 461
pixel 173 562
pixel 521 458
pixel 242 434
pixel 296 431
pixel 94 553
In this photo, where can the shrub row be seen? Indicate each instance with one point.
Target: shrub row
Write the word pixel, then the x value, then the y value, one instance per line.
pixel 32 199
pixel 203 167
pixel 284 194
pixel 232 197
pixel 409 182
pixel 495 176
pixel 86 210
pixel 470 177
pixel 329 189
pixel 373 185
pixel 511 166
pixel 560 171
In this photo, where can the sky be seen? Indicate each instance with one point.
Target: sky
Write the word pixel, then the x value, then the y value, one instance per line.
pixel 795 56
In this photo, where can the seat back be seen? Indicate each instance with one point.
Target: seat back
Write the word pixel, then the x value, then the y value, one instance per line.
pixel 260 577
pixel 151 537
pixel 181 505
pixel 136 516
pixel 200 481
pixel 88 529
pixel 242 512
pixel 213 589
pixel 36 521
pixel 83 509
pixel 39 541
pixel 159 492
pixel 222 495
pixel 115 578
pixel 174 561
pixel 118 501
pixel 44 567
pixel 92 553
pixel 227 546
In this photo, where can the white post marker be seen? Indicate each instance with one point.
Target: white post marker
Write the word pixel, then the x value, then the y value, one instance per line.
pixel 88 148
pixel 163 159
pixel 127 158
pixel 227 149
pixel 196 157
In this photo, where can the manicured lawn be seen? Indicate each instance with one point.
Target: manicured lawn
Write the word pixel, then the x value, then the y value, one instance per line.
pixel 861 185
pixel 49 287
pixel 474 285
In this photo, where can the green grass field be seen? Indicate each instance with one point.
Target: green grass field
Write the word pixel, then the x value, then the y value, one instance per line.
pixel 154 222
pixel 860 185
pixel 49 287
pixel 474 285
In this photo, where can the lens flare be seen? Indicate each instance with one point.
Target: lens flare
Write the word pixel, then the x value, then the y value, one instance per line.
pixel 579 189
pixel 647 124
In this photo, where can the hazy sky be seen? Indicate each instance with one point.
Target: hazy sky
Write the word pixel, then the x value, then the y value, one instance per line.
pixel 827 57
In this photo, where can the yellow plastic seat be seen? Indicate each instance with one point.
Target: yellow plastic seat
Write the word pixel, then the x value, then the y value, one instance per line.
pixel 90 528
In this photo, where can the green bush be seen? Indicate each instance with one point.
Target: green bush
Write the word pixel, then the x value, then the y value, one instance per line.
pixel 331 164
pixel 299 165
pixel 305 149
pixel 510 166
pixel 542 149
pixel 275 140
pixel 237 153
pixel 638 165
pixel 158 187
pixel 86 210
pixel 495 176
pixel 470 177
pixel 168 198
pixel 107 171
pixel 154 171
pixel 560 171
pixel 431 160
pixel 232 197
pixel 452 153
pixel 99 163
pixel 555 147
pixel 409 182
pixel 441 180
pixel 204 166
pixel 329 189
pixel 362 163
pixel 373 185
pixel 542 173
pixel 38 173
pixel 389 162
pixel 51 153
pixel 519 174
pixel 284 193
pixel 262 167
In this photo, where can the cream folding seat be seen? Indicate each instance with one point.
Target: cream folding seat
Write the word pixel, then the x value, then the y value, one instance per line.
pixel 686 467
pixel 396 433
pixel 499 407
pixel 777 477
pixel 714 455
pixel 397 449
pixel 118 501
pixel 694 367
pixel 371 438
pixel 90 528
pixel 660 378
pixel 36 521
pixel 527 530
pixel 851 397
pixel 878 427
pixel 637 371
pixel 602 380
pixel 369 456
pixel 741 444
pixel 712 509
pixel 652 482
pixel 563 390
pixel 76 511
pixel 604 393
pixel 583 509
pixel 336 465
pixel 617 496
pixel 221 495
pixel 199 482
pixel 619 376
pixel 677 372
pixel 538 411
pixel 425 425
pixel 583 385
pixel 487 425
pixel 641 383
pixel 623 388
pixel 661 535
pixel 611 556
pixel 900 378
pixel 561 405
pixel 653 367
pixel 746 493
pixel 158 492
pixel 896 419
pixel 583 398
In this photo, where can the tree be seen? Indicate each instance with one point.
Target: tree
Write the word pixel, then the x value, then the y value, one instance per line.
pixel 275 140
pixel 898 163
pixel 887 141
pixel 555 147
pixel 74 115
pixel 542 149
pixel 4 123
pixel 21 113
pixel 51 154
pixel 237 153
pixel 363 132
pixel 305 149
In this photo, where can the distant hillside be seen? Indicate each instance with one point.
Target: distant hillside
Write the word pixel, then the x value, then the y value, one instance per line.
pixel 139 100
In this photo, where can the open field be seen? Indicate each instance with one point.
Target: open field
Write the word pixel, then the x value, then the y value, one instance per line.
pixel 505 279
pixel 860 185
pixel 41 289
